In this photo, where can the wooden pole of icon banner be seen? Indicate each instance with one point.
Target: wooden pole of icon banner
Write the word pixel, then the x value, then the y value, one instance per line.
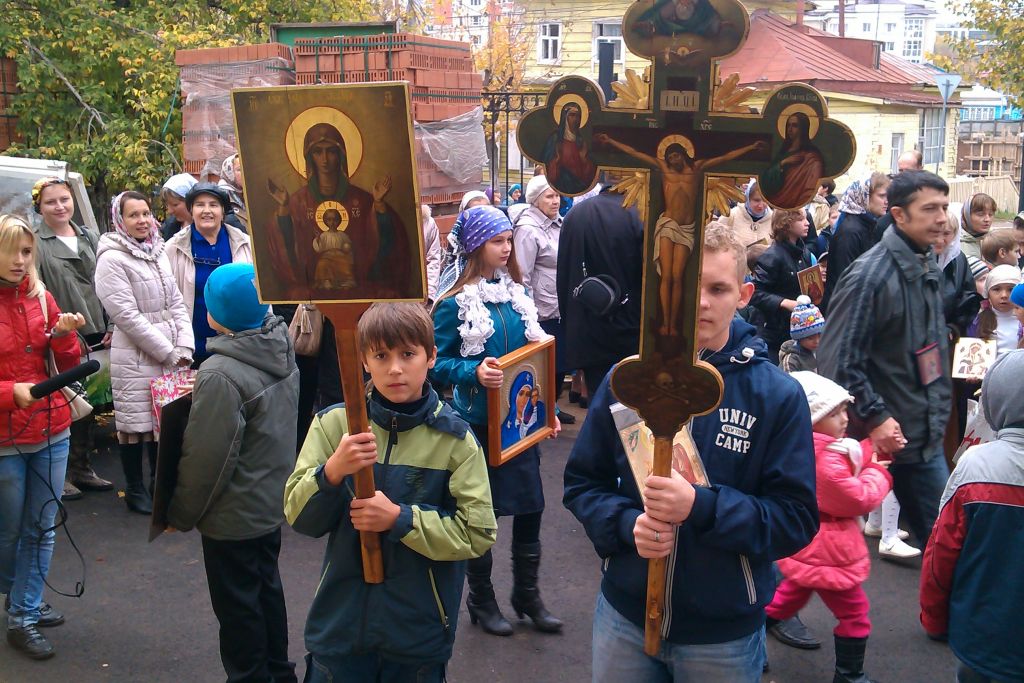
pixel 344 318
pixel 657 568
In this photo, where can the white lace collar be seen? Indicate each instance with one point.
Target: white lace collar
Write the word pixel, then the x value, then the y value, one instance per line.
pixel 478 326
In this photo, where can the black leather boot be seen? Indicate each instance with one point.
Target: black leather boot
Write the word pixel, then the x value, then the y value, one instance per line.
pixel 480 602
pixel 850 660
pixel 792 632
pixel 151 451
pixel 525 593
pixel 135 495
pixel 30 641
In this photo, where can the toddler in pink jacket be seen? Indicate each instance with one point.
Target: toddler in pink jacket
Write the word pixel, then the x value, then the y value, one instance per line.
pixel 836 563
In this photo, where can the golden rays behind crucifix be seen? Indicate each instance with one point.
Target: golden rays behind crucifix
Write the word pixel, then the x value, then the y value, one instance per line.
pixel 730 98
pixel 633 92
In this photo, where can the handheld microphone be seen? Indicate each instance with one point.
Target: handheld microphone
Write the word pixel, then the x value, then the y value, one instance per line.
pixel 61 380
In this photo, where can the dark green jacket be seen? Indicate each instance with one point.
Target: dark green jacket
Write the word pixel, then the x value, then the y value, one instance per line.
pixel 431 465
pixel 887 305
pixel 240 441
pixel 70 276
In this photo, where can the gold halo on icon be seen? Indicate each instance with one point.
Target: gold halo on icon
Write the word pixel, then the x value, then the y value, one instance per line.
pixel 296 133
pixel 675 139
pixel 324 207
pixel 575 99
pixel 814 116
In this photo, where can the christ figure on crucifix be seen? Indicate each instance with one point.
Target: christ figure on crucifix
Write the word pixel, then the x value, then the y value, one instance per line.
pixel 681 178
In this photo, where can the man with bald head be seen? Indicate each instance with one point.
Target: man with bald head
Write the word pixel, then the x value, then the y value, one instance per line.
pixel 911 160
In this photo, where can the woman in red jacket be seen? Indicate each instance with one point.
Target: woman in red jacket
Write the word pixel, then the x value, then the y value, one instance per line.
pixel 33 435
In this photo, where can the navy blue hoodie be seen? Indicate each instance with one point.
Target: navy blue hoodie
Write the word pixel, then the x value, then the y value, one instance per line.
pixel 759 455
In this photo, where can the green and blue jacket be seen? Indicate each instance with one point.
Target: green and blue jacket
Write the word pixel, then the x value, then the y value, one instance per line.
pixel 430 464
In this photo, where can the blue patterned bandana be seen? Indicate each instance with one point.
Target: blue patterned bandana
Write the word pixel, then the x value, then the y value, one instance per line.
pixel 480 224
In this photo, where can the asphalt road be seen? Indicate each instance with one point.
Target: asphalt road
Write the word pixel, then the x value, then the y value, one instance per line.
pixel 145 615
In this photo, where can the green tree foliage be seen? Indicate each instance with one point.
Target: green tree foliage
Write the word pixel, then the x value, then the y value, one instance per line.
pixel 98 80
pixel 996 61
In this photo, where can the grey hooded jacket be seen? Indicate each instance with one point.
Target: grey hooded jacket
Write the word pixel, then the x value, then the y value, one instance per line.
pixel 239 445
pixel 887 306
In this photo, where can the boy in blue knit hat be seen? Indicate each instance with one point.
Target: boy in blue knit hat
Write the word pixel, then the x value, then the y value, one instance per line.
pixel 237 453
pixel 805 327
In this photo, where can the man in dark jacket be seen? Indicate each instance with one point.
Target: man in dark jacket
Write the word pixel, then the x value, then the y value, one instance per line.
pixel 720 539
pixel 886 341
pixel 600 239
pixel 238 451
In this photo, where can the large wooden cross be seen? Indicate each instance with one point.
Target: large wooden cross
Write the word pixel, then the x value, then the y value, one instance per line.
pixel 686 139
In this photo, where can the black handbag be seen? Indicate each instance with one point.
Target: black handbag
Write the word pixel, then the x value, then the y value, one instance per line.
pixel 598 294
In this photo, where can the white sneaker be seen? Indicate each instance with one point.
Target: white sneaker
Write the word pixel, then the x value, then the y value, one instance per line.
pixel 897 550
pixel 876 531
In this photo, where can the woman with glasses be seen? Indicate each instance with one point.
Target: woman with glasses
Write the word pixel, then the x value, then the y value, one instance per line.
pixel 195 253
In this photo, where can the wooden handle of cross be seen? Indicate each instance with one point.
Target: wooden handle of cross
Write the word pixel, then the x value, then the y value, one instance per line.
pixel 656 568
pixel 344 318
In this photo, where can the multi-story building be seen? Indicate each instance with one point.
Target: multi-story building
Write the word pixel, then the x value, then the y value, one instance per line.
pixel 905 29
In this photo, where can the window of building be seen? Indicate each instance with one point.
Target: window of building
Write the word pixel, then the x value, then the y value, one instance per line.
pixel 475 40
pixel 912 50
pixel 931 136
pixel 475 3
pixel 609 32
pixel 865 27
pixel 549 44
pixel 477 20
pixel 889 46
pixel 978 113
pixel 897 150
pixel 890 27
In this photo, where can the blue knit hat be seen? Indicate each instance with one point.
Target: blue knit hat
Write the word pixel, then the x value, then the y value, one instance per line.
pixel 231 298
pixel 1017 295
pixel 806 320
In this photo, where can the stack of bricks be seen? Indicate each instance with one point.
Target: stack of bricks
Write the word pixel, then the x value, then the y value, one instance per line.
pixel 443 82
pixel 8 88
pixel 442 85
pixel 207 77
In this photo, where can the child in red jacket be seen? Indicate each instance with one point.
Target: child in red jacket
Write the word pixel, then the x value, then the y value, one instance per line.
pixel 836 563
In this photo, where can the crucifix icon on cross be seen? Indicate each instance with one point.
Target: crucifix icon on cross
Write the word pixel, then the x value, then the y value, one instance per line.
pixel 683 140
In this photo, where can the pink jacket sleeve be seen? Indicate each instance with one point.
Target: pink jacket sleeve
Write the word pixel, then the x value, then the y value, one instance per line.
pixel 841 494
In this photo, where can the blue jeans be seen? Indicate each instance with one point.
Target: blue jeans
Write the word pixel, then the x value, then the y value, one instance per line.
pixel 30 487
pixel 965 674
pixel 918 487
pixel 618 655
pixel 369 668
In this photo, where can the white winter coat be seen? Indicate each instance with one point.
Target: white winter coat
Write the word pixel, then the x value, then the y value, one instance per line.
pixel 151 322
pixel 179 253
pixel 748 230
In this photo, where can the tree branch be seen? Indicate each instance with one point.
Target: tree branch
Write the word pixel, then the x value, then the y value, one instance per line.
pixel 74 91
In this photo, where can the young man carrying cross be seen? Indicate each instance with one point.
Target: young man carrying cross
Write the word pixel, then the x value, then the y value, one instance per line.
pixel 720 540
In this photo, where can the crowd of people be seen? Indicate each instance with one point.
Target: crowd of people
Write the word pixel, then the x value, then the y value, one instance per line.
pixel 835 422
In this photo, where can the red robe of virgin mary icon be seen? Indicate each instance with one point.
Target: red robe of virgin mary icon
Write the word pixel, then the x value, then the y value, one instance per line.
pixel 380 244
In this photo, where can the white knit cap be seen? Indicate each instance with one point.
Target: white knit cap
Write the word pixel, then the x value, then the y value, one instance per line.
pixel 823 395
pixel 537 186
pixel 470 196
pixel 1003 274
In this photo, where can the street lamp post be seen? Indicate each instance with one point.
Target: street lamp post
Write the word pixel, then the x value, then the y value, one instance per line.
pixel 947 86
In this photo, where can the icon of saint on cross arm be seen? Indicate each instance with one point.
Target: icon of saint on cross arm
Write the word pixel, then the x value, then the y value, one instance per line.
pixel 681 178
